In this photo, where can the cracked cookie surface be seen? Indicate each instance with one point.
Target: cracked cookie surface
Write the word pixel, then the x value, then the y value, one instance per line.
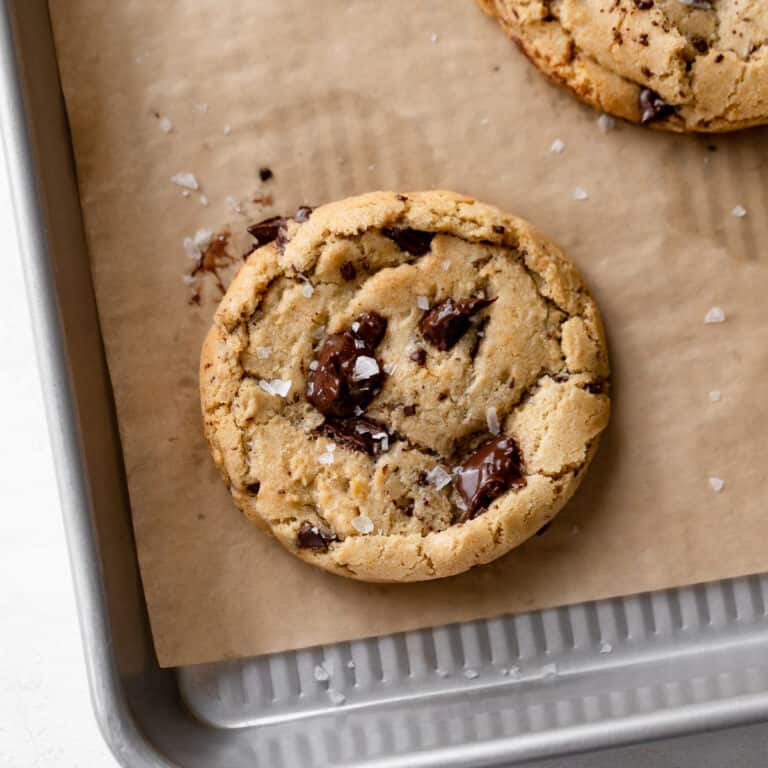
pixel 681 65
pixel 402 386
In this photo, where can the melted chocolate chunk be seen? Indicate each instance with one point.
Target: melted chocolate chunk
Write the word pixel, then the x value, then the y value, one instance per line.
pixel 348 271
pixel 359 434
pixel 315 537
pixel 265 174
pixel 492 469
pixel 413 241
pixel 347 375
pixel 448 321
pixel 653 107
pixel 268 230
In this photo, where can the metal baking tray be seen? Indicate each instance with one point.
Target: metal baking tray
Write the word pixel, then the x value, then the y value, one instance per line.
pixel 483 693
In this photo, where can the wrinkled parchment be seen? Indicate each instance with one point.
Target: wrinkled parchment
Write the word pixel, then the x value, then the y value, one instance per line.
pixel 337 98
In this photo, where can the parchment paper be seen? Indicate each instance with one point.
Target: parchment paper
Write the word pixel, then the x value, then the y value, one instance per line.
pixel 342 97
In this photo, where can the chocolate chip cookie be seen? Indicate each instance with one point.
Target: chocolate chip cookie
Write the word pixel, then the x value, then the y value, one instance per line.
pixel 681 65
pixel 402 386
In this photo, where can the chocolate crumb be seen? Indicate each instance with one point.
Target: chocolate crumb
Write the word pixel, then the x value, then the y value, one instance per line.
pixel 421 479
pixel 402 198
pixel 409 410
pixel 315 537
pixel 348 271
pixel 498 229
pixel 265 174
pixel 266 231
pixel 413 241
pixel 419 356
pixel 253 488
pixel 653 107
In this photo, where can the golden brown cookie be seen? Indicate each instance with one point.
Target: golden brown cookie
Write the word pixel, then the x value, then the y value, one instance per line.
pixel 681 65
pixel 402 386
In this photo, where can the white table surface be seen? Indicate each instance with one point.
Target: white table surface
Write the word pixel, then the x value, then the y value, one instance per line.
pixel 46 719
pixel 45 711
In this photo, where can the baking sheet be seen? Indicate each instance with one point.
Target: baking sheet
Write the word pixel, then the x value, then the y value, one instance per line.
pixel 338 98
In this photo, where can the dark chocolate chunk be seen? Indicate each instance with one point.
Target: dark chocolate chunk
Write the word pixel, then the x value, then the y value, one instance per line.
pixel 265 174
pixel 348 271
pixel 370 327
pixel 700 44
pixel 421 479
pixel 409 410
pixel 303 212
pixel 419 356
pixel 253 488
pixel 595 387
pixel 492 469
pixel 414 241
pixel 268 230
pixel 347 375
pixel 315 537
pixel 359 434
pixel 653 107
pixel 448 321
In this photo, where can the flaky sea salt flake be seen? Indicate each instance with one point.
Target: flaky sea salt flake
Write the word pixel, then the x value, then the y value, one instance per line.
pixel 606 123
pixel 203 200
pixel 492 420
pixel 716 484
pixel 337 697
pixel 227 130
pixel 714 315
pixel 362 524
pixel 434 37
pixel 739 212
pixel 325 458
pixel 606 647
pixel 438 477
pixel 365 368
pixel 557 147
pixel 715 396
pixel 188 279
pixel 314 365
pixel 446 265
pixel 166 126
pixel 186 180
pixel 579 194
pixel 549 670
pixel 471 674
pixel 389 368
pixel 307 289
pixel 321 673
pixel 422 302
pixel 263 352
pixel 185 193
pixel 279 387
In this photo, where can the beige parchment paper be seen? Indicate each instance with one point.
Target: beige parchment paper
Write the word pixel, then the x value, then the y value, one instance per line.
pixel 342 97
